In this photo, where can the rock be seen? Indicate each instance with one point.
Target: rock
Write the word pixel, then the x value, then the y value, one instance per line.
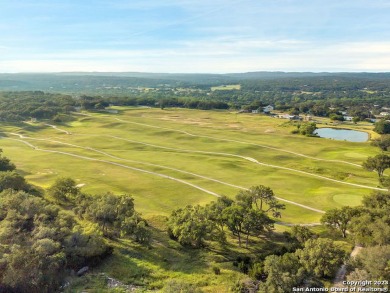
pixel 82 271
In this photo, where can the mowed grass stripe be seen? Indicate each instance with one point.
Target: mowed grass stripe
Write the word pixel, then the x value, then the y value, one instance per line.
pixel 164 167
pixel 230 140
pixel 146 171
pixel 201 152
pixel 153 195
pixel 254 161
pixel 308 214
pixel 94 132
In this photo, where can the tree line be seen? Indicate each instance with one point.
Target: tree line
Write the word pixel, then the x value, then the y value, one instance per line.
pixel 248 215
pixel 309 261
pixel 19 106
pixel 306 262
pixel 45 235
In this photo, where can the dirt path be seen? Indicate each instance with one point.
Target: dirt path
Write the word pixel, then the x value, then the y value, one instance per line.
pixel 222 154
pixel 201 176
pixel 116 164
pixel 224 139
pixel 340 275
pixel 253 160
pixel 240 142
pixel 149 164
pixel 59 129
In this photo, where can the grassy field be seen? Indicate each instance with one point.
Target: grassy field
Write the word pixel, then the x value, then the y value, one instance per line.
pixel 226 87
pixel 173 157
pixel 169 158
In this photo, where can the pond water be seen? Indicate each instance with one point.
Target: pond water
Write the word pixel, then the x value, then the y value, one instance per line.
pixel 342 134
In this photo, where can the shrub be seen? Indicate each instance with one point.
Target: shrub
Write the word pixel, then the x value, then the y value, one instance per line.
pixel 216 270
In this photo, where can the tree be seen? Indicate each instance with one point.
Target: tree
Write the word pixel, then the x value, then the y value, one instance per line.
pixel 377 201
pixel 241 219
pixel 38 243
pixel 355 119
pixel 13 180
pixel 5 163
pixel 262 197
pixel 110 212
pixel 302 233
pixel 385 181
pixel 137 227
pixel 335 116
pixel 379 163
pixel 215 214
pixel 141 233
pixel 64 189
pixel 284 272
pixel 361 229
pixel 256 222
pixel 234 218
pixel 372 226
pixel 368 230
pixel 307 128
pixel 321 257
pixel 339 218
pixel 190 226
pixel 375 261
pixel 383 142
pixel 382 127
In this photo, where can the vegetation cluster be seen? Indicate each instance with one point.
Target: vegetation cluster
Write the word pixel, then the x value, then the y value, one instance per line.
pixel 47 237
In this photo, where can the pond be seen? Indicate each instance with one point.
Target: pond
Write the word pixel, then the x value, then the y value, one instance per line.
pixel 342 134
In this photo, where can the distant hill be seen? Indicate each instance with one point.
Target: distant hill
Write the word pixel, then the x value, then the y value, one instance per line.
pixel 92 82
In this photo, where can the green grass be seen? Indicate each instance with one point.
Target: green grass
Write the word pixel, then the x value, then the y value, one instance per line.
pixel 200 148
pixel 212 144
pixel 226 87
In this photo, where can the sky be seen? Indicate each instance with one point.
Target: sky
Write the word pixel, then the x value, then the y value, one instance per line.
pixel 198 36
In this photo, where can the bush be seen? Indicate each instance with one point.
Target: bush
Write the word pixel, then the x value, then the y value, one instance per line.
pixel 216 270
pixel 382 127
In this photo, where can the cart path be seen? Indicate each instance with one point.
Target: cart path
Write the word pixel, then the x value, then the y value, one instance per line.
pixel 253 160
pixel 227 155
pixel 223 139
pixel 146 171
pixel 241 142
pixel 340 275
pixel 59 129
pixel 250 159
pixel 116 164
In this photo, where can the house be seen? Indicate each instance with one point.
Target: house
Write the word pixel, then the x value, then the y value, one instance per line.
pixel 384 113
pixel 268 109
pixel 290 117
pixel 307 118
pixel 255 111
pixel 348 118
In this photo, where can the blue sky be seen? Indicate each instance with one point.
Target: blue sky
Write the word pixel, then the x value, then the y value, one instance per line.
pixel 218 36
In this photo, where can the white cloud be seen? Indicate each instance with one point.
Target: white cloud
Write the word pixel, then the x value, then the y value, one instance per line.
pixel 222 55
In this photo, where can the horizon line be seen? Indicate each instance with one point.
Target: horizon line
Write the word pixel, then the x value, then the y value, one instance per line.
pixel 194 73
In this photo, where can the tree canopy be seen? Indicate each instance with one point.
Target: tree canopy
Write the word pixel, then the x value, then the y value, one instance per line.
pixel 382 127
pixel 5 163
pixel 379 163
pixel 247 215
